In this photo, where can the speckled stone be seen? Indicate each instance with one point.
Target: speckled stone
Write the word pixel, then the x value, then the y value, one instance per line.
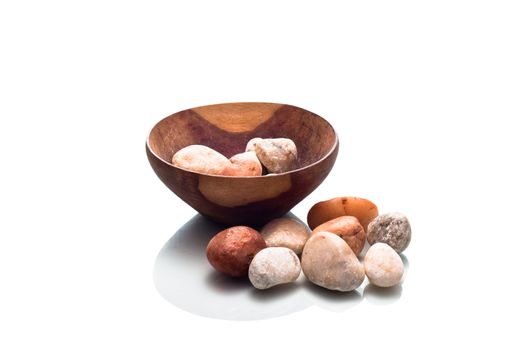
pixel 329 262
pixel 391 228
pixel 274 266
pixel 383 265
pixel 285 232
pixel 277 155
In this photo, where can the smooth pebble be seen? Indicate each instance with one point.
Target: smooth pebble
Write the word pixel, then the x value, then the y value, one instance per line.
pixel 364 210
pixel 383 265
pixel 201 159
pixel 285 232
pixel 274 266
pixel 244 164
pixel 328 261
pixel 349 229
pixel 232 250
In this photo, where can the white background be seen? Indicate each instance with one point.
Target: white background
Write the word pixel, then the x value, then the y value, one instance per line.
pixel 429 100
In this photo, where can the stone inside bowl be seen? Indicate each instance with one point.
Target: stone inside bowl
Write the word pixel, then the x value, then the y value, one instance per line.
pixel 227 128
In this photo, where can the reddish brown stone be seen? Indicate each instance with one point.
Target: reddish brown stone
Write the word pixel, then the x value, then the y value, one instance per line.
pixel 364 210
pixel 349 229
pixel 232 250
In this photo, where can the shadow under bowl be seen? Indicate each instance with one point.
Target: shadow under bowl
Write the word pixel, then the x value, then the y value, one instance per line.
pixel 226 128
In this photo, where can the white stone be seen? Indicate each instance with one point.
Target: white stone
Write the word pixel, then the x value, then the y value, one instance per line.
pixel 383 266
pixel 274 266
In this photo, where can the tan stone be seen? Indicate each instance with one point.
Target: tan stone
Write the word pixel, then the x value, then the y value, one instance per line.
pixel 201 159
pixel 244 164
pixel 328 261
pixel 286 232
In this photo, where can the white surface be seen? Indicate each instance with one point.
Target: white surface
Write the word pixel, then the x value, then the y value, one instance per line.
pixel 429 99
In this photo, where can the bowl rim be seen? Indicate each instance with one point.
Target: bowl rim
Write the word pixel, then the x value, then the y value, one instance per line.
pixel 330 152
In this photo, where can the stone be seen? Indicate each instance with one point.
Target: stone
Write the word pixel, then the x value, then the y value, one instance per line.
pixel 391 228
pixel 273 266
pixel 201 159
pixel 277 155
pixel 364 210
pixel 285 232
pixel 383 265
pixel 232 250
pixel 244 164
pixel 251 145
pixel 328 261
pixel 349 229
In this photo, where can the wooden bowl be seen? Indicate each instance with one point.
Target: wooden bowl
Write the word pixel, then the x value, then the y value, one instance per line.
pixel 249 200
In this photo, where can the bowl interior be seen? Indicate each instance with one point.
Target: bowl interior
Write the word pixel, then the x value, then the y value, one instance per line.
pixel 228 127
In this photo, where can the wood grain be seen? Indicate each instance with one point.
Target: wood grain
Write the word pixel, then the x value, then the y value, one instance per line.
pixel 243 200
pixel 237 117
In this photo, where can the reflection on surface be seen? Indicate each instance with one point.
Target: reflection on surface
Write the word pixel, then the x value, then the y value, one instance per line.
pixel 272 294
pixel 382 296
pixel 183 276
pixel 331 299
pixel 225 284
